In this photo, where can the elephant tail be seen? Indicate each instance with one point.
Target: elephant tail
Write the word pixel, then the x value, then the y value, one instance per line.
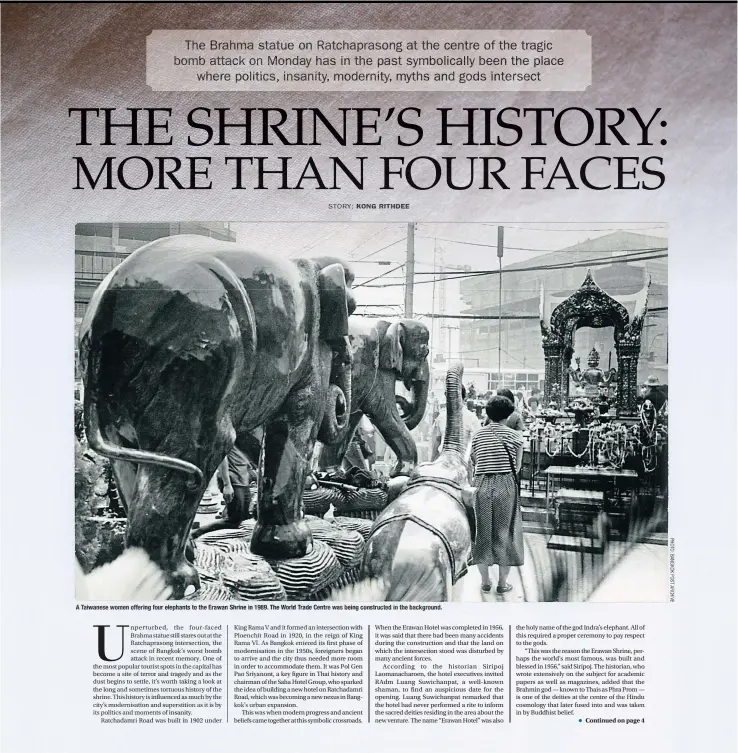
pixel 100 445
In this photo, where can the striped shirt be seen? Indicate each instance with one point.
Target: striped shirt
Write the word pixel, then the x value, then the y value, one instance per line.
pixel 493 447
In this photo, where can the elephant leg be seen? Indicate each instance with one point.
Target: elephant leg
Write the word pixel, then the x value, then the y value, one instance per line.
pixel 163 507
pixel 410 560
pixel 398 437
pixel 159 519
pixel 281 531
pixel 125 474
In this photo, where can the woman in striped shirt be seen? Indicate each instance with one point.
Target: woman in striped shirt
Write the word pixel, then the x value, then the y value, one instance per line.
pixel 496 453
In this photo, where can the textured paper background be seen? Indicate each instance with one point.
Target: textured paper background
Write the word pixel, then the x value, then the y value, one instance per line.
pixel 677 57
pixel 163 49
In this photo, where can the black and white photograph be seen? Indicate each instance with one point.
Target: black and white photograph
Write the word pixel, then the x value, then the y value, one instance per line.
pixel 405 411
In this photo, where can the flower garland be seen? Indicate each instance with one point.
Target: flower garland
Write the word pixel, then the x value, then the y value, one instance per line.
pixel 608 445
pixel 570 444
pixel 649 427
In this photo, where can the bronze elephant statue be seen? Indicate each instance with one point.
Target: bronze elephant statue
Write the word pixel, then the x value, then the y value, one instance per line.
pixel 420 544
pixel 383 354
pixel 187 347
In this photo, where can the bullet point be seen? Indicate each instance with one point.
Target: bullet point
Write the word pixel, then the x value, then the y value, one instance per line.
pixel 580 720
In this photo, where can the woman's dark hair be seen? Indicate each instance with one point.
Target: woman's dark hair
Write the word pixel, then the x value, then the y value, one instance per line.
pixel 463 392
pixel 499 408
pixel 504 392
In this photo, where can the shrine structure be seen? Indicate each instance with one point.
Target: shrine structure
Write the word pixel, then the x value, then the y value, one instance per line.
pixel 590 306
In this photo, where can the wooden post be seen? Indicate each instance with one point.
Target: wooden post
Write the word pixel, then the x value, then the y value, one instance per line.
pixel 410 270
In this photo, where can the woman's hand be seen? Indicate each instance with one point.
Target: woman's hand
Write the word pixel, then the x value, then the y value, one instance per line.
pixel 518 460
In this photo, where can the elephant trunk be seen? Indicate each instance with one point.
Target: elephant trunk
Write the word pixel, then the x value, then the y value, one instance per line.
pixel 420 387
pixel 454 428
pixel 335 422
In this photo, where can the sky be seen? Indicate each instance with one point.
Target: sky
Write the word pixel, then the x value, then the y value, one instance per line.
pixel 376 249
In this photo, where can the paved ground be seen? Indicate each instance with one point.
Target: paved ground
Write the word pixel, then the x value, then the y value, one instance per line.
pixel 640 575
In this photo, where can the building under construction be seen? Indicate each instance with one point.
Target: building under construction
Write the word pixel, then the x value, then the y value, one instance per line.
pixel 620 262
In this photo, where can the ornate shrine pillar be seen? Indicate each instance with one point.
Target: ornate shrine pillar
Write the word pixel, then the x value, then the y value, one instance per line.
pixel 627 377
pixel 555 378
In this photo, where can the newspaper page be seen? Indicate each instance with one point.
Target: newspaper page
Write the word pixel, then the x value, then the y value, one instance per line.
pixel 368 377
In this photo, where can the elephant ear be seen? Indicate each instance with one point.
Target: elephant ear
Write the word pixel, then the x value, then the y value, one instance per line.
pixel 390 350
pixel 334 303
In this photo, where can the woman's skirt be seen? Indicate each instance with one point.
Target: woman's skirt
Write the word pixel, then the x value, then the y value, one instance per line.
pixel 499 539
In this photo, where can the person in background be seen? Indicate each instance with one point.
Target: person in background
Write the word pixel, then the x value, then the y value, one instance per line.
pixel 422 428
pixel 496 455
pixel 367 432
pixel 79 421
pixel 361 451
pixel 380 446
pixel 439 427
pixel 653 390
pixel 515 420
pixel 470 425
pixel 521 404
pixel 234 476
pixel 533 406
